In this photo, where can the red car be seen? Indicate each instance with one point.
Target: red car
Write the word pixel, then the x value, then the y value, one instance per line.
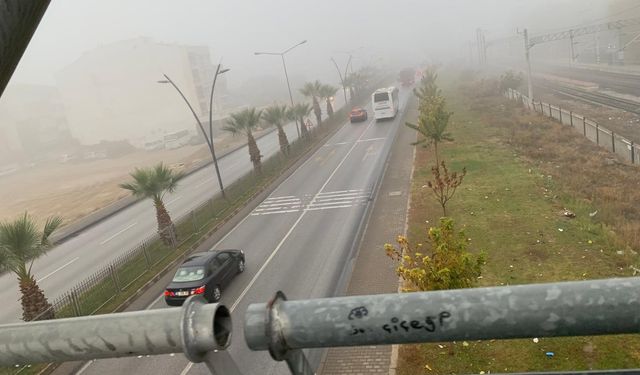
pixel 358 114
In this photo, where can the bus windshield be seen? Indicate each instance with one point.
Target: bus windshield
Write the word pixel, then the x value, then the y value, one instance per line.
pixel 380 97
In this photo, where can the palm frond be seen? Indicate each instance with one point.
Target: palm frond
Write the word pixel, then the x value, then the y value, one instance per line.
pixel 50 226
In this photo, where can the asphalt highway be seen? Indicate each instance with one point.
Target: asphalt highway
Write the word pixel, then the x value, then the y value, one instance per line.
pixel 89 251
pixel 299 240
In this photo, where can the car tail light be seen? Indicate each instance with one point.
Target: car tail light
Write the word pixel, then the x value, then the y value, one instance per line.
pixel 168 293
pixel 199 290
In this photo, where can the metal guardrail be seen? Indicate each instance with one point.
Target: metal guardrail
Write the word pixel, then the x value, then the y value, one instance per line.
pixel 284 328
pixel 596 133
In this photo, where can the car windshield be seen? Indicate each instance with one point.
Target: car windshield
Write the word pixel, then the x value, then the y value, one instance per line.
pixel 186 274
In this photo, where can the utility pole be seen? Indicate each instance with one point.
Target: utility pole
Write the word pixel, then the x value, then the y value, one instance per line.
pixel 527 54
pixel 571 45
pixel 478 46
pixel 598 48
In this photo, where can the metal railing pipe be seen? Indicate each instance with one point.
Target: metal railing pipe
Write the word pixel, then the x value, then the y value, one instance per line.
pixel 537 310
pixel 195 329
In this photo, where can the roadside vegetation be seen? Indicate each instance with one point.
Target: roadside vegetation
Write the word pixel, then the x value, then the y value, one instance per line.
pixel 245 123
pixel 21 242
pixel 544 204
pixel 154 183
pixel 276 115
pixel 138 268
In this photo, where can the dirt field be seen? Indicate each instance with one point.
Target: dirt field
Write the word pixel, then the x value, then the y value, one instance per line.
pixel 75 189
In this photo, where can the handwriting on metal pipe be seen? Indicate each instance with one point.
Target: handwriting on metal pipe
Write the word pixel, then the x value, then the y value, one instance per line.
pixel 428 323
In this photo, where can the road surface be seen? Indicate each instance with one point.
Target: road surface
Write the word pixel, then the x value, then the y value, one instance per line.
pixel 89 251
pixel 299 240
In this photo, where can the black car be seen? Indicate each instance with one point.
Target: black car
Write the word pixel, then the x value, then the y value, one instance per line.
pixel 204 273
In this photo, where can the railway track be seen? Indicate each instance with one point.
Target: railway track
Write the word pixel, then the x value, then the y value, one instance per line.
pixel 594 97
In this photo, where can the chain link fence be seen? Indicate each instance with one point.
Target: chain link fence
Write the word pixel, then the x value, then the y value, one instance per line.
pixel 598 134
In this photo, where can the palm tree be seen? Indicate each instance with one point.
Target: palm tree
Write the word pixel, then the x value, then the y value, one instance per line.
pixel 277 115
pixel 20 244
pixel 327 92
pixel 428 88
pixel 432 124
pixel 312 90
pixel 356 82
pixel 349 83
pixel 154 183
pixel 244 122
pixel 298 112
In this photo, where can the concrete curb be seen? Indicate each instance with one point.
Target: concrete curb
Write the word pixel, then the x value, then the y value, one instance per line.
pixel 395 349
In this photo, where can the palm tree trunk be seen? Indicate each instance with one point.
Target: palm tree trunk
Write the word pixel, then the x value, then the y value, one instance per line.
pixel 329 108
pixel 284 142
pixel 254 153
pixel 435 151
pixel 35 305
pixel 166 229
pixel 303 128
pixel 316 110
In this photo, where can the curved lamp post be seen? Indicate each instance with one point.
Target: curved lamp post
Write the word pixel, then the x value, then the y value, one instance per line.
pixel 209 139
pixel 284 65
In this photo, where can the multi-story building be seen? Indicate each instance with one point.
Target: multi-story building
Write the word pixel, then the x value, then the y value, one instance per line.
pixel 113 92
pixel 32 122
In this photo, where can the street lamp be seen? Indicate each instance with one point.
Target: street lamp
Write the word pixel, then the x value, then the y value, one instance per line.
pixel 342 77
pixel 284 65
pixel 208 140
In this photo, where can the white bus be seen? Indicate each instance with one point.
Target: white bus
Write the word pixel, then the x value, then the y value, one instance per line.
pixel 176 139
pixel 385 103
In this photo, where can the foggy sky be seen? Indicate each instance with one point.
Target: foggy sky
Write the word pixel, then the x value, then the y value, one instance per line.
pixel 388 31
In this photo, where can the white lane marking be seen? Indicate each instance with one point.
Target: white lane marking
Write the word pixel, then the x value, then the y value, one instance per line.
pixel 372 139
pixel 339 191
pixel 187 369
pixel 155 301
pixel 371 151
pixel 85 367
pixel 327 208
pixel 336 144
pixel 205 181
pixel 292 203
pixel 274 212
pixel 174 200
pixel 190 364
pixel 119 233
pixel 324 204
pixel 358 141
pixel 286 236
pixel 339 197
pixel 284 197
pixel 57 269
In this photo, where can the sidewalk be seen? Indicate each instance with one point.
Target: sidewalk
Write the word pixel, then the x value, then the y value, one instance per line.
pixel 374 272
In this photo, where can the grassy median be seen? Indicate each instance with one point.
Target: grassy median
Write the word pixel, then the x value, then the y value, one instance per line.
pixel 511 205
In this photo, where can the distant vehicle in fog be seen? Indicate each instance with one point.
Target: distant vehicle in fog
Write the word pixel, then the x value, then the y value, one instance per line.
pixel 385 103
pixel 407 77
pixel 177 139
pixel 358 114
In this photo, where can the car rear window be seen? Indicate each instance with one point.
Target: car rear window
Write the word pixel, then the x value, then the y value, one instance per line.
pixel 186 274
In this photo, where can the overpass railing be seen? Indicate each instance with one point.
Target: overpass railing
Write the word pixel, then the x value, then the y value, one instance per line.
pixel 284 328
